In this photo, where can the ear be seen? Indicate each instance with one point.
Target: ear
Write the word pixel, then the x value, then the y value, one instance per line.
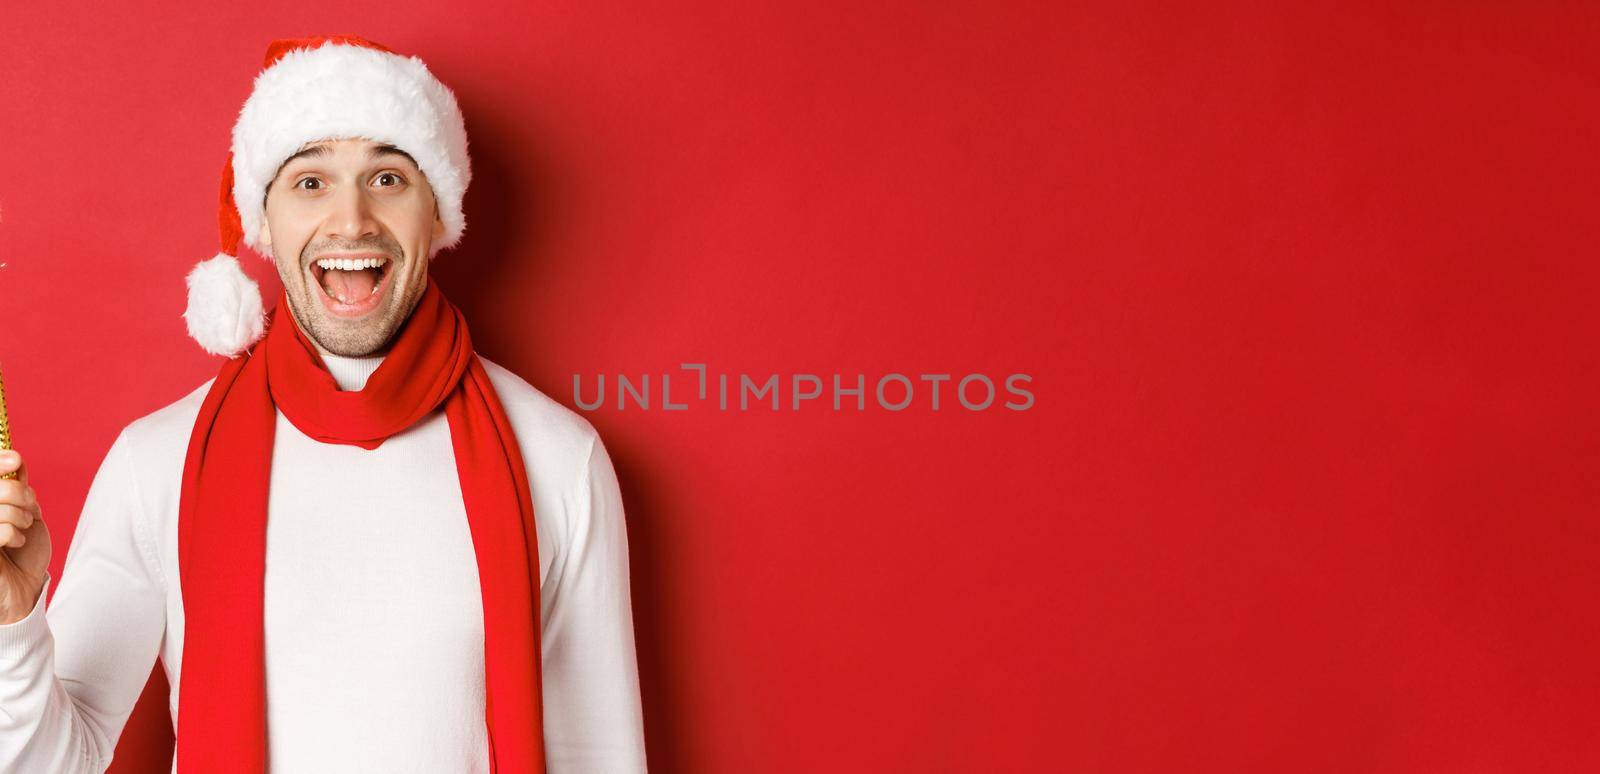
pixel 438 222
pixel 266 232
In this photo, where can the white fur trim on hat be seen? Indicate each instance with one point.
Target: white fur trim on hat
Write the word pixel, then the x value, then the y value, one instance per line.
pixel 224 313
pixel 346 91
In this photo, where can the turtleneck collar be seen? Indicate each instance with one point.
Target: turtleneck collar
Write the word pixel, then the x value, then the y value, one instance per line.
pixel 351 372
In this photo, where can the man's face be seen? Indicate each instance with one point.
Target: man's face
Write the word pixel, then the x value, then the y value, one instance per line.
pixel 362 206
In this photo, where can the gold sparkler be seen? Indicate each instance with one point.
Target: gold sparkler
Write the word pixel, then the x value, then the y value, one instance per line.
pixel 5 426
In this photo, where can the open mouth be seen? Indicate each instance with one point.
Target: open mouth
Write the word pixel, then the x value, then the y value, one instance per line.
pixel 351 285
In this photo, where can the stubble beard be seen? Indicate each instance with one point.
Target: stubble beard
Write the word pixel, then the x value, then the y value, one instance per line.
pixel 352 338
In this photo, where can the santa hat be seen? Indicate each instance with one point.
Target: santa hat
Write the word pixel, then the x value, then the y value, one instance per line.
pixel 319 88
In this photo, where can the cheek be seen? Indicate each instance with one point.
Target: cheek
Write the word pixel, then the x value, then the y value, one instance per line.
pixel 286 242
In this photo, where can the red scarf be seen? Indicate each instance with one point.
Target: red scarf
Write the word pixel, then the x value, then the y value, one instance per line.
pixel 222 525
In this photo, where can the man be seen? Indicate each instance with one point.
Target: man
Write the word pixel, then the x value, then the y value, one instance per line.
pixel 361 547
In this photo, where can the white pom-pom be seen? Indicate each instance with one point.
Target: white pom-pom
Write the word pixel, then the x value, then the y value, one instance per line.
pixel 225 314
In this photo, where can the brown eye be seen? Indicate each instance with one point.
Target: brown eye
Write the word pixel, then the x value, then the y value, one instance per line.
pixel 397 179
pixel 309 180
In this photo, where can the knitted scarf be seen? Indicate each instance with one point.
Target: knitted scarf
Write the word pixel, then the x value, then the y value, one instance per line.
pixel 222 525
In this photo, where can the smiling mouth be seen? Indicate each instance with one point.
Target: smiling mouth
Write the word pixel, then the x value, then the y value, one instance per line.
pixel 351 286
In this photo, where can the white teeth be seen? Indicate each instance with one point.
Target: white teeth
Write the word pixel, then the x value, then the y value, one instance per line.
pixel 351 264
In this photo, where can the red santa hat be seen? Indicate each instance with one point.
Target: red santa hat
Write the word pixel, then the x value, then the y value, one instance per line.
pixel 319 88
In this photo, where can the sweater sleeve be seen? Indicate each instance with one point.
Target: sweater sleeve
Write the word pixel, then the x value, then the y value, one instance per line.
pixel 69 678
pixel 593 720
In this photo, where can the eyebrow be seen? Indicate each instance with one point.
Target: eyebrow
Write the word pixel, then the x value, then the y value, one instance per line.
pixel 320 150
pixel 378 151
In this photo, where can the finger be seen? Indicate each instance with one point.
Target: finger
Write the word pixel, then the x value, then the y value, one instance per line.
pixel 17 493
pixel 21 517
pixel 11 460
pixel 8 533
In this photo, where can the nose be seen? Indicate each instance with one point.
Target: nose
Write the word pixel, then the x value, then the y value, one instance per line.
pixel 351 218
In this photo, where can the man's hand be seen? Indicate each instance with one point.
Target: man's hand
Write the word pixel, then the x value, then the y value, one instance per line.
pixel 24 542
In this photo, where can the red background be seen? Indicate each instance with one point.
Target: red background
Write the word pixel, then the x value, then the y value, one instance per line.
pixel 1311 479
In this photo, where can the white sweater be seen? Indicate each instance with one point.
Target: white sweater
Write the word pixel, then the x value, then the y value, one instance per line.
pixel 373 616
